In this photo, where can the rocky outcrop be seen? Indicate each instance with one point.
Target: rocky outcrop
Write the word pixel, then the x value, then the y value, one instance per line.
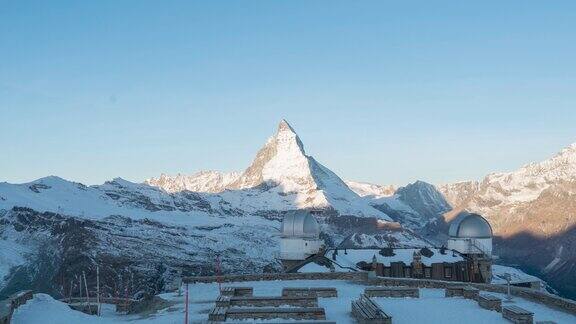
pixel 425 199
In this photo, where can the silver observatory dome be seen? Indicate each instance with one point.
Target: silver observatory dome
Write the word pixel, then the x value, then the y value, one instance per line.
pixel 300 224
pixel 470 226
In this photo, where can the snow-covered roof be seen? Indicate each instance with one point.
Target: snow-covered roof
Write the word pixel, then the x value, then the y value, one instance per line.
pixel 516 275
pixel 352 257
pixel 470 226
pixel 300 224
pixel 314 267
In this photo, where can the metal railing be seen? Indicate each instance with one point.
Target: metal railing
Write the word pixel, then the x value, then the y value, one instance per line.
pixel 480 247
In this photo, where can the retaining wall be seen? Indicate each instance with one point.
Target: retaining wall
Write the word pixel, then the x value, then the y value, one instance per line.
pixel 355 276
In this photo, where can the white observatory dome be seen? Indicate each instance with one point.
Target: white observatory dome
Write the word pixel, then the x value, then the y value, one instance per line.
pixel 470 226
pixel 470 234
pixel 300 236
pixel 300 224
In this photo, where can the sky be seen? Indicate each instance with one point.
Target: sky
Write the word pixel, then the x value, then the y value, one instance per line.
pixel 386 92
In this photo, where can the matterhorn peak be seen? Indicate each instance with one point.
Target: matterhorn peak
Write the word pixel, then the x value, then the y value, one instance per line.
pixel 284 126
pixel 282 177
pixel 286 140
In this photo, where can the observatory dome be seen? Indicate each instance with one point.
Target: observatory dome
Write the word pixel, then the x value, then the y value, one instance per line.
pixel 300 224
pixel 470 226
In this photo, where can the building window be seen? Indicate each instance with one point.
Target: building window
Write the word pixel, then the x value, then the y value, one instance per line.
pixel 447 272
pixel 427 272
pixel 407 272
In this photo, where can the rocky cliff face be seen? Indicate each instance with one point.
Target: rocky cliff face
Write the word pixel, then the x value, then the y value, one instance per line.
pixel 425 199
pixel 414 205
pixel 459 193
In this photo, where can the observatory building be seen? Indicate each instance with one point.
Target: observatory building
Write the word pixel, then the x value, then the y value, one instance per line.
pixel 471 235
pixel 300 238
pixel 466 258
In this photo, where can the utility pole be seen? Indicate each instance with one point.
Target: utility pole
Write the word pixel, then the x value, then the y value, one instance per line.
pixel 98 289
pixel 80 286
pixel 186 316
pixel 86 286
pixel 70 291
pixel 179 281
pixel 218 272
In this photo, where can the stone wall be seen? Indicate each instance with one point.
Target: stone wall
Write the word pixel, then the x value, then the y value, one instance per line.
pixel 7 306
pixel 354 276
pixel 544 298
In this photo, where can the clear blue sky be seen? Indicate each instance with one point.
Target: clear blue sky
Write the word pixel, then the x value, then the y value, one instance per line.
pixel 379 91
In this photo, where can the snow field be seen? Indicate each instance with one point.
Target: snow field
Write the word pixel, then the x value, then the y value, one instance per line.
pixel 431 307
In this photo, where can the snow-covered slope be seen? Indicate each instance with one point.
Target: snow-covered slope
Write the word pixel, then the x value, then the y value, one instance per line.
pixel 528 182
pixel 430 307
pixel 364 189
pixel 46 247
pixel 116 197
pixel 203 181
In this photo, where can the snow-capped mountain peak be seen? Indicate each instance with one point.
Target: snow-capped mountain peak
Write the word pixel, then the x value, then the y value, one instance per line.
pixel 283 170
pixel 282 161
pixel 287 138
pixel 281 177
pixel 528 182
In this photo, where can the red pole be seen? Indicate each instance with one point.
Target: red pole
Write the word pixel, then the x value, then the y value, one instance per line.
pixel 186 317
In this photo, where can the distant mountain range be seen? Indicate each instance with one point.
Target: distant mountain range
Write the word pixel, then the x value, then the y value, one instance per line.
pixel 533 212
pixel 51 229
